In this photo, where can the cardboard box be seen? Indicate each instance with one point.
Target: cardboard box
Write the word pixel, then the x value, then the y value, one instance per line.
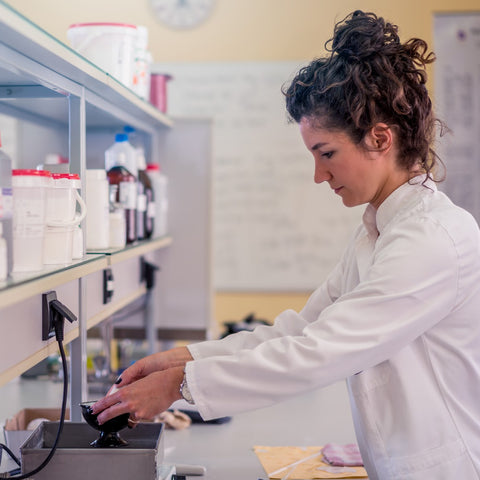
pixel 15 429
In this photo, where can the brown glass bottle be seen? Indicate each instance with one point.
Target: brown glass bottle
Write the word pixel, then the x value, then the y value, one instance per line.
pixel 127 197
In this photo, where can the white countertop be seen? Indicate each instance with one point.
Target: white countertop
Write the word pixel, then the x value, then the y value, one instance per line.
pixel 226 450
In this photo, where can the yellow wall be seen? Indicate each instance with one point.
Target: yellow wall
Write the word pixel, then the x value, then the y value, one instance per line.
pixel 243 30
pixel 240 29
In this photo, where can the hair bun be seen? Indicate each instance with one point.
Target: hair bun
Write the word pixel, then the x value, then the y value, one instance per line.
pixel 361 35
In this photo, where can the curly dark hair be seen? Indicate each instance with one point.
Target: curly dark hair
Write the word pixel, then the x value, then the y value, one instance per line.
pixel 368 77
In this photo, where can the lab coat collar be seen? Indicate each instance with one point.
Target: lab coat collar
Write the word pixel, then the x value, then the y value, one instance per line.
pixel 370 222
pixel 399 200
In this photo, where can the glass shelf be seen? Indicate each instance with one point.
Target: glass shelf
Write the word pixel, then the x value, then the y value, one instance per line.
pixel 24 285
pixel 134 249
pixel 21 278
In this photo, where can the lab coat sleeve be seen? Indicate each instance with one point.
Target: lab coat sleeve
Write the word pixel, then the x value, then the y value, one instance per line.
pixel 288 323
pixel 389 308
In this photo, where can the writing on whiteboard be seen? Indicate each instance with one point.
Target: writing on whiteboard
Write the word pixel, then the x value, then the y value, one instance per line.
pixel 274 228
pixel 457 94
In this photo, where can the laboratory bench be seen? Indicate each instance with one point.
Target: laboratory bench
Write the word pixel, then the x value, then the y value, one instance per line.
pixel 225 449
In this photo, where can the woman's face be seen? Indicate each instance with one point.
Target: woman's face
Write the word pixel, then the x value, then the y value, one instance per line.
pixel 355 174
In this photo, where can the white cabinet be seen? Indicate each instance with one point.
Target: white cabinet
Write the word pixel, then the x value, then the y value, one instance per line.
pixel 61 98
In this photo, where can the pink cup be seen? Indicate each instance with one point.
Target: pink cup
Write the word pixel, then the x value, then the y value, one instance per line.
pixel 158 90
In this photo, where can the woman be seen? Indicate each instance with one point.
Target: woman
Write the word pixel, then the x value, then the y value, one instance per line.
pixel 397 317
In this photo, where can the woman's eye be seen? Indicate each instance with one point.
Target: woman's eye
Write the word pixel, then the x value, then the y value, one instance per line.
pixel 327 155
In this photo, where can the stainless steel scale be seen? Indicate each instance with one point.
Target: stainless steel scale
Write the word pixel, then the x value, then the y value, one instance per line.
pixel 76 459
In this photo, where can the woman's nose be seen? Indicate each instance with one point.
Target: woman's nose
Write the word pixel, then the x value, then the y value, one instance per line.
pixel 321 174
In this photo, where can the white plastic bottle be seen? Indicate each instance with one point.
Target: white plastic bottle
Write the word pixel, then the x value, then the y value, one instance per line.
pixel 97 219
pixel 6 206
pixel 121 154
pixel 118 227
pixel 160 194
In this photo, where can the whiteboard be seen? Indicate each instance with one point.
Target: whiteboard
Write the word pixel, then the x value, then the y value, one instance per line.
pixel 274 228
pixel 457 98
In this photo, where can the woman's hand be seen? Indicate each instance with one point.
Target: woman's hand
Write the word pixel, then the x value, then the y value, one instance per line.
pixel 142 398
pixel 176 357
pixel 146 388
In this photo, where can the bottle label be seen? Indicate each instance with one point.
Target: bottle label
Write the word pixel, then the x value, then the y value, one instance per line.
pixel 128 195
pixel 151 210
pixel 141 203
pixel 29 218
pixel 6 202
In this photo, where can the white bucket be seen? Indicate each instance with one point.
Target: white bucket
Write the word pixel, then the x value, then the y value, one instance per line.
pixel 29 208
pixel 111 46
pixel 62 218
pixel 58 246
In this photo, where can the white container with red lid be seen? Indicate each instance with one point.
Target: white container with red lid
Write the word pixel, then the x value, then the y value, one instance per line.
pixel 29 188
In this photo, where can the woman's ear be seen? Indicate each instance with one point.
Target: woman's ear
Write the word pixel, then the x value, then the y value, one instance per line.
pixel 380 138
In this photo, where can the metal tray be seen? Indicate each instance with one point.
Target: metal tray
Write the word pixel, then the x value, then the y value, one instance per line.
pixel 75 459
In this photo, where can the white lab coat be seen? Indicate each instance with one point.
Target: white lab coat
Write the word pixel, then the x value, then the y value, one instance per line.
pixel 399 317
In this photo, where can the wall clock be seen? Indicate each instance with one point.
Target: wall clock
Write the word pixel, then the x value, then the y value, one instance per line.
pixel 182 13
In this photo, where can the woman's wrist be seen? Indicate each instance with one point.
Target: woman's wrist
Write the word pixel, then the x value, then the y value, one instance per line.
pixel 178 357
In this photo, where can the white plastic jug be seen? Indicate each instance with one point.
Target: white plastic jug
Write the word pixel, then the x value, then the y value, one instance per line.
pixel 62 200
pixel 121 153
pixel 62 217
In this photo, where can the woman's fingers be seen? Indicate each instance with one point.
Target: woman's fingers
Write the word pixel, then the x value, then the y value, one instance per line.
pixel 143 398
pixel 109 407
